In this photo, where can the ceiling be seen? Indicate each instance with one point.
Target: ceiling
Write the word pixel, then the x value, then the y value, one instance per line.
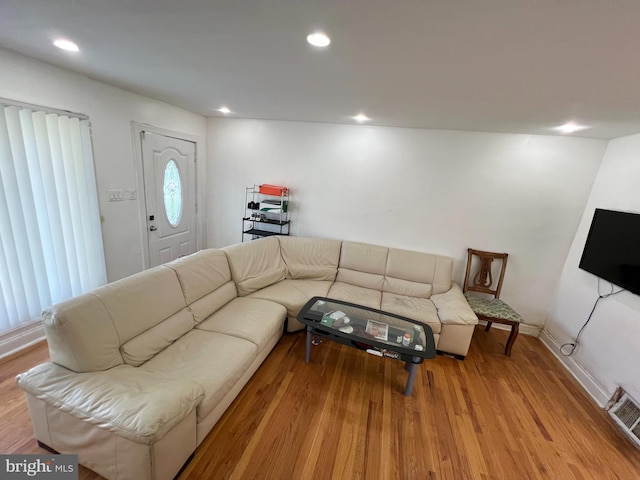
pixel 520 66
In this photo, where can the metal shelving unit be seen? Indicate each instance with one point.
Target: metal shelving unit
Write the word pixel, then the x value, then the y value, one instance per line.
pixel 265 214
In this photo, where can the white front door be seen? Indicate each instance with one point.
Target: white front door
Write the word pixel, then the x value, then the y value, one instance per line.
pixel 169 166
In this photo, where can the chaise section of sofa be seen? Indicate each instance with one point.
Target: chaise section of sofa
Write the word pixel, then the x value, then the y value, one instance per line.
pixel 144 367
pixel 96 341
pixel 122 423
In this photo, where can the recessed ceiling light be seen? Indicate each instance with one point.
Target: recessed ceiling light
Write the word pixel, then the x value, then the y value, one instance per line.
pixel 67 45
pixel 570 127
pixel 361 117
pixel 224 110
pixel 318 39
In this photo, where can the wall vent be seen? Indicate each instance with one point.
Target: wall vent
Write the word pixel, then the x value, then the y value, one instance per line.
pixel 625 411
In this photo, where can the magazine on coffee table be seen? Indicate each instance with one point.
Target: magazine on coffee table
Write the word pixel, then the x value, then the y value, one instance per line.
pixel 377 330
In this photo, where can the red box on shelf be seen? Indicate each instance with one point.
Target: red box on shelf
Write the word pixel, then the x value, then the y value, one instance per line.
pixel 273 190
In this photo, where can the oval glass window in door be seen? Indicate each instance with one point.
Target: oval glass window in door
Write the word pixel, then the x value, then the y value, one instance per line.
pixel 172 192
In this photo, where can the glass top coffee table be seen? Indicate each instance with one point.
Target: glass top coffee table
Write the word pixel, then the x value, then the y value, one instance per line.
pixel 379 333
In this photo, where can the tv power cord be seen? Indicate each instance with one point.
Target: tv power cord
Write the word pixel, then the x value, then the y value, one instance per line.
pixel 568 348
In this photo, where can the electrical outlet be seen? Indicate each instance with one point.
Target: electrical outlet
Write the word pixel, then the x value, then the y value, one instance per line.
pixel 131 194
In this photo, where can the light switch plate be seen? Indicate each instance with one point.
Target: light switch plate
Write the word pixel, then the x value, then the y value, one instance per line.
pixel 115 195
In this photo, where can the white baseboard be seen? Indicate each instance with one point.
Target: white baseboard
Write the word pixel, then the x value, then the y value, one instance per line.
pixel 533 330
pixel 20 338
pixel 595 391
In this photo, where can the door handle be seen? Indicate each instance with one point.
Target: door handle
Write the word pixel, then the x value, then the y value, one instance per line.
pixel 153 228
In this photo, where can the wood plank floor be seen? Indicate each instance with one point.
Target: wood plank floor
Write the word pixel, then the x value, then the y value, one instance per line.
pixel 344 416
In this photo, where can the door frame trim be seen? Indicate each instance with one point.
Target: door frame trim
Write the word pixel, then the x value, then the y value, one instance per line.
pixel 200 171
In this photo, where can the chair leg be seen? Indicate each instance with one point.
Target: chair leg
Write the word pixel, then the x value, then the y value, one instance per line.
pixel 512 338
pixel 486 329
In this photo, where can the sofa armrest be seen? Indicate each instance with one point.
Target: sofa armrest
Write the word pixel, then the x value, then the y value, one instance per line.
pixel 452 307
pixel 135 404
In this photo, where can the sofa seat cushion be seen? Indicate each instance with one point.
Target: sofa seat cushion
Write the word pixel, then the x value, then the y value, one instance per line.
pixel 139 405
pixel 253 319
pixel 354 294
pixel 213 360
pixel 293 294
pixel 421 309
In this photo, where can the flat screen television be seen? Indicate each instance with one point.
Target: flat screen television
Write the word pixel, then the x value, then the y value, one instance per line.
pixel 612 250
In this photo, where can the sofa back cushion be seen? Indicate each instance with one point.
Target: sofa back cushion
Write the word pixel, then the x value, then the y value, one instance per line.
pixel 362 265
pixel 138 303
pixel 310 258
pixel 256 264
pixel 145 346
pixel 206 282
pixel 416 274
pixel 81 336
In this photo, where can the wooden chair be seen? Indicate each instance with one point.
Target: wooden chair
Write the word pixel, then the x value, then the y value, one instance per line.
pixel 490 309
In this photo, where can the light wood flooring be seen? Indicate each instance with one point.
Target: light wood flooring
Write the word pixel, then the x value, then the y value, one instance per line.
pixel 343 416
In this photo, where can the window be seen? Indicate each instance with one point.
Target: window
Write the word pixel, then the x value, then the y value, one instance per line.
pixel 172 192
pixel 50 236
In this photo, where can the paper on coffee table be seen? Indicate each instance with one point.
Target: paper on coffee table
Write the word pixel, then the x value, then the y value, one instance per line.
pixel 378 330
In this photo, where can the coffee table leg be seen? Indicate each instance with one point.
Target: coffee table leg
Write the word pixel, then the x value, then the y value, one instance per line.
pixel 307 354
pixel 412 368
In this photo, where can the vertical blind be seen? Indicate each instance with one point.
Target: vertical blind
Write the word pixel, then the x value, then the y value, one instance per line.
pixel 50 237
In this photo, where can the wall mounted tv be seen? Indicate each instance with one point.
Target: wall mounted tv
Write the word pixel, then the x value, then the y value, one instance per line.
pixel 612 250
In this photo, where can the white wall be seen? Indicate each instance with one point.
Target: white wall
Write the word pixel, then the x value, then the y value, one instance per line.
pixel 609 350
pixel 111 111
pixel 429 190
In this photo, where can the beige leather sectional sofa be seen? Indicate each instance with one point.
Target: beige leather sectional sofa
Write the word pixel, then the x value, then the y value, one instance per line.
pixel 142 369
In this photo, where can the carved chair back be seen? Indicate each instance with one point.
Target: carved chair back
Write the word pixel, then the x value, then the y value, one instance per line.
pixel 482 280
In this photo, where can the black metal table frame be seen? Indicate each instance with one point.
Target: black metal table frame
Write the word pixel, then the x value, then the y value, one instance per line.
pixel 411 360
